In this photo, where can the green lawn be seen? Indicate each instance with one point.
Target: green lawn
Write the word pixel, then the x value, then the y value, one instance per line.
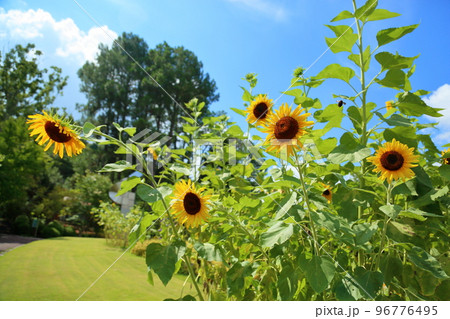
pixel 62 268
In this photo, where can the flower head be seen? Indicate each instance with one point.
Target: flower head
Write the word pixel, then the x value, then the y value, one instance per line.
pixel 389 105
pixel 56 131
pixel 394 161
pixel 189 206
pixel 259 110
pixel 153 153
pixel 446 159
pixel 285 127
pixel 327 193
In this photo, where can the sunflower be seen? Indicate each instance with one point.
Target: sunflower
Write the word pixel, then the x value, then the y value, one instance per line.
pixel 446 159
pixel 259 110
pixel 389 105
pixel 327 192
pixel 153 153
pixel 285 127
pixel 57 131
pixel 394 161
pixel 189 206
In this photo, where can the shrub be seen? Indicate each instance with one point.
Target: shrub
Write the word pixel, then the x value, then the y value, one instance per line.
pixel 116 226
pixel 69 231
pixel 57 225
pixel 49 232
pixel 140 247
pixel 22 225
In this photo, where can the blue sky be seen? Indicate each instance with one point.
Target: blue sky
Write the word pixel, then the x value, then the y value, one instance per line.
pixel 235 37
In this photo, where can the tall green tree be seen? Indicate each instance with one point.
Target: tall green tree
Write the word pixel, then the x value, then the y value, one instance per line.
pixel 25 88
pixel 118 90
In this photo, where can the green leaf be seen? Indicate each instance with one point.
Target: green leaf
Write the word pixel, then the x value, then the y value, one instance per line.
pixel 277 234
pixel 320 272
pixel 390 61
pixel 208 251
pixel 148 194
pixel 128 185
pixel 388 35
pixel 332 114
pixel 141 227
pixel 349 149
pixel 287 282
pixel 88 129
pixel 180 169
pixel 130 130
pixel 162 259
pixel 405 135
pixel 286 204
pixel 444 171
pixel 246 201
pixel 366 58
pixel 366 10
pixel 347 290
pixel 119 166
pixel 344 41
pixel 326 146
pixel 364 232
pixel 391 266
pixel 425 261
pixel 370 281
pixel 343 15
pixel 381 14
pixel 395 120
pixel 236 277
pixel 355 117
pixel 235 131
pixel 391 211
pixel 336 71
pixel 418 214
pixel 441 192
pixel 246 96
pixel 395 79
pixel 407 188
pixel 238 111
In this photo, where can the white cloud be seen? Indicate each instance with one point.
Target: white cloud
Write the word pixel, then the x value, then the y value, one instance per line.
pixel 66 38
pixel 266 7
pixel 441 99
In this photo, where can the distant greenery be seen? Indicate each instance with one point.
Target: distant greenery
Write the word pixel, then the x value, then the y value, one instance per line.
pixel 70 265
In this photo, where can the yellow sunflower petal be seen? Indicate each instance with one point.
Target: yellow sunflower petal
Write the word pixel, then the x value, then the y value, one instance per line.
pixel 394 160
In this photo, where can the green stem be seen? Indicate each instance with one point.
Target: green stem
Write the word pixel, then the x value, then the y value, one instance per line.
pixel 252 238
pixel 305 195
pixel 386 222
pixel 185 257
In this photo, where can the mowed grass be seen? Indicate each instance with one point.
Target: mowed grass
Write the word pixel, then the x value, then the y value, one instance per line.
pixel 63 268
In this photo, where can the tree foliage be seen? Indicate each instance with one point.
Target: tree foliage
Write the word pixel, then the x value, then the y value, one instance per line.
pixel 118 90
pixel 25 88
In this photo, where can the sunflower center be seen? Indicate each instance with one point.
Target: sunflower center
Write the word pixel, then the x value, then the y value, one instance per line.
pixel 392 160
pixel 260 111
pixel 191 203
pixel 286 128
pixel 53 132
pixel 326 192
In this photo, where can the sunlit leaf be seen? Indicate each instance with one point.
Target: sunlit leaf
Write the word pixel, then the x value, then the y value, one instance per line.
pixel 388 35
pixel 425 261
pixel 336 71
pixel 277 234
pixel 129 184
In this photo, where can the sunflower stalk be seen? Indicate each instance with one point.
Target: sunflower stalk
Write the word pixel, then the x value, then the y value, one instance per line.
pixel 385 224
pixel 185 257
pixel 305 195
